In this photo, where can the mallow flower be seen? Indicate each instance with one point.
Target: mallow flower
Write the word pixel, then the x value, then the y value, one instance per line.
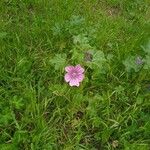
pixel 74 75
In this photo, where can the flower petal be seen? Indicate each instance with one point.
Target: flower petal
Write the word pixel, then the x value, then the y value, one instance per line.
pixel 80 77
pixel 67 77
pixel 74 82
pixel 79 68
pixel 69 68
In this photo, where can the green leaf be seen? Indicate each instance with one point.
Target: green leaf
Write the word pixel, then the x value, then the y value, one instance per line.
pixel 139 100
pixel 7 146
pixel 147 62
pixel 17 102
pixel 110 56
pixel 147 47
pixel 81 41
pixel 76 20
pixel 20 136
pixel 99 58
pixel 59 61
pixel 105 135
pixel 119 89
pixel 130 64
pixel 57 29
pixel 98 62
pixel 5 116
pixel 77 56
pixel 3 34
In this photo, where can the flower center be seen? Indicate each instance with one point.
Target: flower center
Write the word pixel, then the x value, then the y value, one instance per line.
pixel 74 74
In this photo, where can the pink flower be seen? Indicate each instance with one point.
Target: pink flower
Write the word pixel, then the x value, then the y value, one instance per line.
pixel 74 75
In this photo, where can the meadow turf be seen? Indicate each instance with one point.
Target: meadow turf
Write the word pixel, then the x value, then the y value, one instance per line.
pixel 111 108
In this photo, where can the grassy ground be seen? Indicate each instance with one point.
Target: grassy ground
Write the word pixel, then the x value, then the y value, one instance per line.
pixel 111 108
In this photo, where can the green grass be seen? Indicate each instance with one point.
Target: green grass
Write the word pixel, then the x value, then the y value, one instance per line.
pixel 111 108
